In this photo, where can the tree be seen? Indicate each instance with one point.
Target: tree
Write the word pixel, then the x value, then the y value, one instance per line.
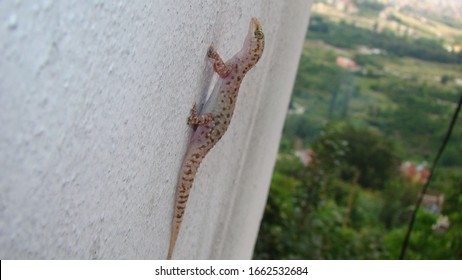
pixel 370 153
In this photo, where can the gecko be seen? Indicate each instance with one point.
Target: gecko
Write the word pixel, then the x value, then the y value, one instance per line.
pixel 212 121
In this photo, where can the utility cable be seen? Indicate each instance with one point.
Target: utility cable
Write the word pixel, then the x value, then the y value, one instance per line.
pixel 425 186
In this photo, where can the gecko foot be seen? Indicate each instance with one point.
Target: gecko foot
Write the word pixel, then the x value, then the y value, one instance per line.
pixel 194 119
pixel 211 53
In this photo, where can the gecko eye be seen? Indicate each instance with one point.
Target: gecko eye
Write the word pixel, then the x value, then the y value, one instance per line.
pixel 258 34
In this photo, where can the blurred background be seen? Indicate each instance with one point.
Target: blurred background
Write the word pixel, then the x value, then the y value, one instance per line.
pixel 376 88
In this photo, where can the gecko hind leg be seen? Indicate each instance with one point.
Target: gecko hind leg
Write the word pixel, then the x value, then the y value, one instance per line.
pixel 219 66
pixel 194 119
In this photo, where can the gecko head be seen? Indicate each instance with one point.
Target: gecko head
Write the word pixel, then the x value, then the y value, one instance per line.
pixel 255 40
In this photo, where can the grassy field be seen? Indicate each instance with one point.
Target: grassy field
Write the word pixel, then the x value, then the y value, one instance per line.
pixel 405 67
pixel 422 70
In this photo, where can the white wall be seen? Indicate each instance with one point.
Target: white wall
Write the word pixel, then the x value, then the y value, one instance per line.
pixel 94 97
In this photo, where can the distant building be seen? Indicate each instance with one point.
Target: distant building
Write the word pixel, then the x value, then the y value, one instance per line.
pixel 369 51
pixel 453 48
pixel 346 63
pixel 296 109
pixel 306 156
pixel 433 202
pixel 415 173
pixel 383 15
pixel 457 48
pixel 442 224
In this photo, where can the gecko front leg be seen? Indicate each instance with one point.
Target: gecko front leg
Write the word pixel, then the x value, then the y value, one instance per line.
pixel 219 66
pixel 194 119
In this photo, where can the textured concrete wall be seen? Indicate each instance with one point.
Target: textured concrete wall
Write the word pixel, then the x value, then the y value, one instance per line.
pixel 94 97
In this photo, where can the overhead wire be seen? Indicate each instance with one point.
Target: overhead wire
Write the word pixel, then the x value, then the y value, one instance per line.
pixel 425 186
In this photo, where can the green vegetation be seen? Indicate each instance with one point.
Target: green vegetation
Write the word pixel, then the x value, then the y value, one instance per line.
pixel 369 7
pixel 351 201
pixel 345 35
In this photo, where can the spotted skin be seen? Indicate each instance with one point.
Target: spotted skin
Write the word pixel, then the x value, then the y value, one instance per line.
pixel 214 118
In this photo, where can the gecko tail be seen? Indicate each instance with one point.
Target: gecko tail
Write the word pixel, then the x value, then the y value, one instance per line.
pixel 189 170
pixel 175 231
pixel 170 250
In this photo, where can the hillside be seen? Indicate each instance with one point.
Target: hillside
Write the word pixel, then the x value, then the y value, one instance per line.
pixel 431 19
pixel 370 101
